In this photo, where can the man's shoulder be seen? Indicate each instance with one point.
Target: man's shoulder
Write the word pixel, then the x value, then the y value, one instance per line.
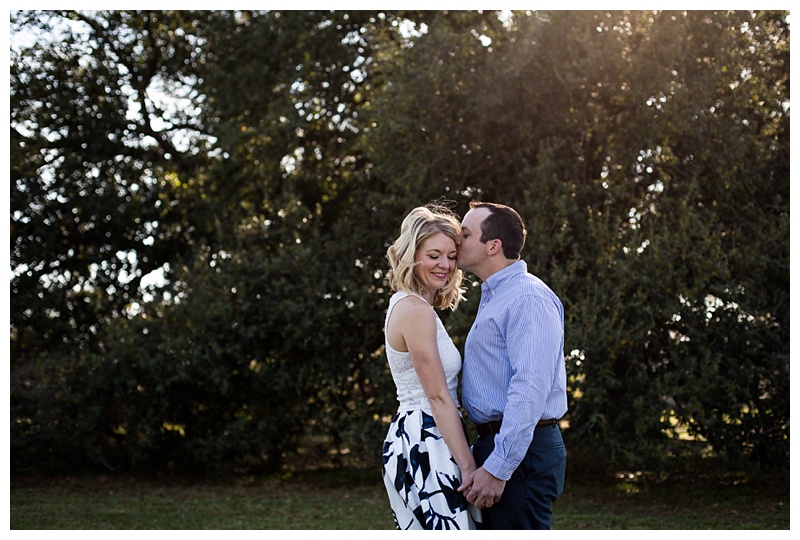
pixel 529 284
pixel 527 288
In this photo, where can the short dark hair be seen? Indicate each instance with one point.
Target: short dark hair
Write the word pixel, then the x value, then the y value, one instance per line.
pixel 505 224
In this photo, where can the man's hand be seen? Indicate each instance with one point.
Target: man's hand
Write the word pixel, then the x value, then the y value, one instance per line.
pixel 482 489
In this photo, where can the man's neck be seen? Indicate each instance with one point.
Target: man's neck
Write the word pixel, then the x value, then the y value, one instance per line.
pixel 493 266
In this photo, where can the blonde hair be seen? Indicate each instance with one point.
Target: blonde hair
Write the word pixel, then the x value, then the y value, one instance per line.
pixel 420 224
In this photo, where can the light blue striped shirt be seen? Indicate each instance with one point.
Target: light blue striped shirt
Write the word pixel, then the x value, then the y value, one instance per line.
pixel 514 365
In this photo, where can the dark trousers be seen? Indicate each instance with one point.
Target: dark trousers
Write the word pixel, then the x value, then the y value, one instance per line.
pixel 527 501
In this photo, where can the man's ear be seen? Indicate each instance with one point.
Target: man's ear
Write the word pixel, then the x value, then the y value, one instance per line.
pixel 495 246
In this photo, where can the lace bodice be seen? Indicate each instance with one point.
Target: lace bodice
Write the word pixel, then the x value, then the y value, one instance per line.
pixel 410 394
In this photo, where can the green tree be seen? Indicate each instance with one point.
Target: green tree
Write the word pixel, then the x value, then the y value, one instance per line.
pixel 648 154
pixel 96 204
pixel 262 162
pixel 248 121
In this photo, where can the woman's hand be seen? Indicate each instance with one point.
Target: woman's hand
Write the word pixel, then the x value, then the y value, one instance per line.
pixel 482 489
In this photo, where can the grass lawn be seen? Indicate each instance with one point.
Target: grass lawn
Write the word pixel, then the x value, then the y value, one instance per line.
pixel 355 499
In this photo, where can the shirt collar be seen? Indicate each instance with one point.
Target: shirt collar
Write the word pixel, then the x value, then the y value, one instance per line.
pixel 496 280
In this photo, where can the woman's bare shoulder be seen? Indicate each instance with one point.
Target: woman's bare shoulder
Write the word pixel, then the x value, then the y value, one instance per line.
pixel 413 308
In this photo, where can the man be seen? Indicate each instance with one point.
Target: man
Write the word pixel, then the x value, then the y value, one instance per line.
pixel 514 376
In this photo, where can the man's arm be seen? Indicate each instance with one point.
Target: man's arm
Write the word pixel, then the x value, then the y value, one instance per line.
pixel 533 340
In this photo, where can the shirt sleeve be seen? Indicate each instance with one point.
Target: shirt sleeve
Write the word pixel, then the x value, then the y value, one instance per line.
pixel 533 335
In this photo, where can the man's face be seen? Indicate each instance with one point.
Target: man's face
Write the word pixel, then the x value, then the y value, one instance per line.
pixel 471 252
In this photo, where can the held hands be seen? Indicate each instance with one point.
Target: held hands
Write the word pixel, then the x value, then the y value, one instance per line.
pixel 481 488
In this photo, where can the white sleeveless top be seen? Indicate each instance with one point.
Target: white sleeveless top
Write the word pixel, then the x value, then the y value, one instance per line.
pixel 410 394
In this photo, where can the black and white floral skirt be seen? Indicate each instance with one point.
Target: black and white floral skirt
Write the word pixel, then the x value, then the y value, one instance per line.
pixel 421 476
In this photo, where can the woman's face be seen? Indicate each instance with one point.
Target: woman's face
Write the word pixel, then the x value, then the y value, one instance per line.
pixel 436 261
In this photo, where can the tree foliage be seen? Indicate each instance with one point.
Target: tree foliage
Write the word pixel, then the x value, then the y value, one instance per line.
pixel 261 162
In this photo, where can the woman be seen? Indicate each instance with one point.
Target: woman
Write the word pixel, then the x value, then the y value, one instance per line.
pixel 425 453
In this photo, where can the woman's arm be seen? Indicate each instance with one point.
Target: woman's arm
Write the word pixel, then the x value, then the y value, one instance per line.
pixel 414 323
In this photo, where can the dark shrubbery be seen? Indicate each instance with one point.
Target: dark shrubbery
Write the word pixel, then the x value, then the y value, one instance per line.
pixel 647 151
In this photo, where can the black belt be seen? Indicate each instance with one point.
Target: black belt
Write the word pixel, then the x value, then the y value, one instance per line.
pixel 490 428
